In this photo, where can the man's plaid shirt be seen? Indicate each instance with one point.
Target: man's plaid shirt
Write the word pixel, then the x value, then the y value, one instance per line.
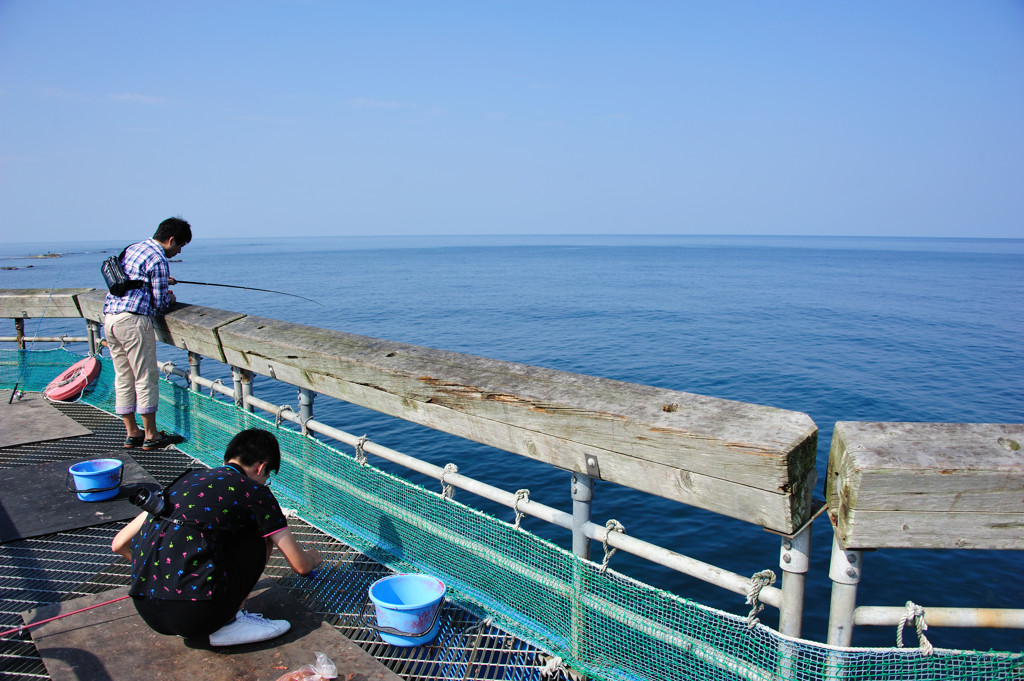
pixel 144 261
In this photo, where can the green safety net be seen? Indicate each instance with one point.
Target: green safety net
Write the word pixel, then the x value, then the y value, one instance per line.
pixel 602 624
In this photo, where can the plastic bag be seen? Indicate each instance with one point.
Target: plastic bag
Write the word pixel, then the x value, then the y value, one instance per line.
pixel 322 669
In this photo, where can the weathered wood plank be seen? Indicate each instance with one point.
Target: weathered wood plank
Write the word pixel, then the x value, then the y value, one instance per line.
pixel 761 454
pixel 742 460
pixel 40 302
pixel 772 510
pixel 899 529
pixel 91 304
pixel 190 327
pixel 195 328
pixel 897 485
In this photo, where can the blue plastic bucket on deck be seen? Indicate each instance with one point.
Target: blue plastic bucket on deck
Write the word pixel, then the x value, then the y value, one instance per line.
pixel 97 479
pixel 408 603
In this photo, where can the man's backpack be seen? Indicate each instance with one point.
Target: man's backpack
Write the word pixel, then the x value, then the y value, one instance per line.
pixel 118 282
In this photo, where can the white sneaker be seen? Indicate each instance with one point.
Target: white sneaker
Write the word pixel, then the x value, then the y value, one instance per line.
pixel 248 627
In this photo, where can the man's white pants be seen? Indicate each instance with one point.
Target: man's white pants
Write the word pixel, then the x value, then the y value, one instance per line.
pixel 132 343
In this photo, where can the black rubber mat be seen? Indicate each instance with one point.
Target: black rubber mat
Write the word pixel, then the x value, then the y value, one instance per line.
pixel 35 501
pixel 33 419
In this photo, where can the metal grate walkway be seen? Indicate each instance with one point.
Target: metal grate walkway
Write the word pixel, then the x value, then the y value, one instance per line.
pixel 67 565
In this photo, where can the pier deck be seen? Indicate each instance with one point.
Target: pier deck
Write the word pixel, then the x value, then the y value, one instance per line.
pixel 77 563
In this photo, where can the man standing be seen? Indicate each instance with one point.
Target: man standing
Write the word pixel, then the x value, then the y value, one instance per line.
pixel 128 321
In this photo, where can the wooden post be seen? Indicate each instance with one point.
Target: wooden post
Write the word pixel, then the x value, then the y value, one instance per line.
pixel 927 485
pixel 918 485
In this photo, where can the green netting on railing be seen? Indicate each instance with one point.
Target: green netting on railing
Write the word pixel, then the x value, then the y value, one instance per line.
pixel 605 625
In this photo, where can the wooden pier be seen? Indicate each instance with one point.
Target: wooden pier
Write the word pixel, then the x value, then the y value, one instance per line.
pixel 888 485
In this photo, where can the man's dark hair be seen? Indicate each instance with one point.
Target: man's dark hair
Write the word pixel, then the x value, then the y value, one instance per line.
pixel 253 446
pixel 176 227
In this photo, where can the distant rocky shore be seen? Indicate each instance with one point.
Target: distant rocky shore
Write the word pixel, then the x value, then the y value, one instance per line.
pixel 40 256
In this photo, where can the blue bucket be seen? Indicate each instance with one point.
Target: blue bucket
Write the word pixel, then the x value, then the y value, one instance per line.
pixel 407 608
pixel 96 480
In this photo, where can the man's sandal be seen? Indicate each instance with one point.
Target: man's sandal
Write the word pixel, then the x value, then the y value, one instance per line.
pixel 133 441
pixel 164 440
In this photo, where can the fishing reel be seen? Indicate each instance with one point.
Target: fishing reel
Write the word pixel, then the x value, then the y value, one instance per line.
pixel 149 499
pixel 152 499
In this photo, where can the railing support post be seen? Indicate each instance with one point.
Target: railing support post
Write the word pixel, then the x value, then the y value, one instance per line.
pixel 306 404
pixel 845 572
pixel 194 359
pixel 94 336
pixel 242 385
pixel 794 559
pixel 582 495
pixel 19 332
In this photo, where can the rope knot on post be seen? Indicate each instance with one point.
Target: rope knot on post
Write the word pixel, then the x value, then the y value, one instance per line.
pixel 611 526
pixel 447 491
pixel 521 495
pixel 757 582
pixel 277 415
pixel 915 615
pixel 360 452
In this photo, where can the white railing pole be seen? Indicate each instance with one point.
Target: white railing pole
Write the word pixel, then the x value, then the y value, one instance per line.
pixel 845 573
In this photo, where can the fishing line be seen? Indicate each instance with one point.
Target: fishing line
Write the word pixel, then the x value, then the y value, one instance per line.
pixel 39 325
pixel 23 627
pixel 18 630
pixel 247 288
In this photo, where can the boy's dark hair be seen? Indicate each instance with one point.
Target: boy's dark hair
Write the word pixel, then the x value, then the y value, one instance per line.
pixel 253 446
pixel 176 227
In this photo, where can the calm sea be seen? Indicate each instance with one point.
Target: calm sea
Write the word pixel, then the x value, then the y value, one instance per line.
pixel 839 328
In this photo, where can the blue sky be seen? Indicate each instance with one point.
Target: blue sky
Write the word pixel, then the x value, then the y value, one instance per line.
pixel 362 118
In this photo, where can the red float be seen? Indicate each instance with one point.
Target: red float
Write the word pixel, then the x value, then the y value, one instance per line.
pixel 73 380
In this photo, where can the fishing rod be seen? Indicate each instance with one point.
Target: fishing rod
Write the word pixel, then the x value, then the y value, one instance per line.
pixel 247 288
pixel 313 574
pixel 18 630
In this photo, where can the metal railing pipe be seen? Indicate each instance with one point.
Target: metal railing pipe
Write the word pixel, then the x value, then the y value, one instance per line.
pixel 170 368
pixel 677 561
pixel 582 497
pixel 845 573
pixel 794 559
pixel 95 343
pixel 306 404
pixel 243 386
pixel 995 618
pixel 481 489
pixel 236 386
pixel 44 339
pixel 619 540
pixel 194 360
